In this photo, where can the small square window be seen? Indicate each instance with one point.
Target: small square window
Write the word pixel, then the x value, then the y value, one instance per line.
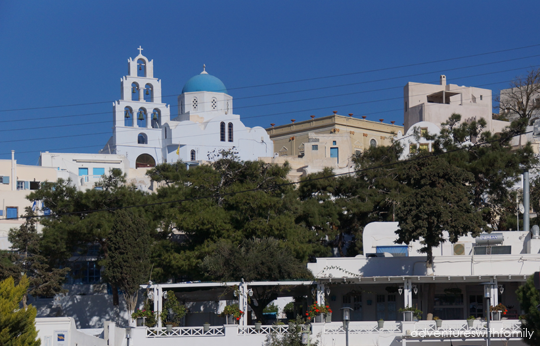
pixel 334 143
pixel 12 213
pixel 424 147
pixel 423 131
pixel 315 147
pixel 412 148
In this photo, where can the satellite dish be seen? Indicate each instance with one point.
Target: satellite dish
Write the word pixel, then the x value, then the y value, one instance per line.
pixel 521 208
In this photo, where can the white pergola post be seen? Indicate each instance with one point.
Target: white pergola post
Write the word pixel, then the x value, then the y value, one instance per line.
pixel 407 293
pixel 494 293
pixel 320 294
pixel 155 296
pixel 159 298
pixel 243 303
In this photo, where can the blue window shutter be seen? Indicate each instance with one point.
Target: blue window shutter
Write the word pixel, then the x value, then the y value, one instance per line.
pixel 27 185
pixel 11 213
pixel 98 171
pixel 1 213
pixel 5 180
pixel 83 171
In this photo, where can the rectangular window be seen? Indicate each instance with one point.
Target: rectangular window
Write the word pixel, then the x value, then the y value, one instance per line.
pixel 412 148
pixel 1 213
pixel 23 185
pixel 424 147
pixel 4 179
pixel 12 213
pixel 315 147
pixel 334 143
pixel 34 185
pixel 83 171
pixel 98 171
pixel 396 251
pixel 423 131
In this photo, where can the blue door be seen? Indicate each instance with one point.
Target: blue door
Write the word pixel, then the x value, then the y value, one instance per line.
pixel 334 152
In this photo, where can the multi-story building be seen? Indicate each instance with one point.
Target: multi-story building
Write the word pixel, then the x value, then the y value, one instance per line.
pixel 330 141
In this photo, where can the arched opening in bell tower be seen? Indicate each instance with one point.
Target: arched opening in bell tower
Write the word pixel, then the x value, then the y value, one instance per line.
pixel 135 91
pixel 128 116
pixel 142 118
pixel 141 68
pixel 145 160
pixel 148 93
pixel 156 119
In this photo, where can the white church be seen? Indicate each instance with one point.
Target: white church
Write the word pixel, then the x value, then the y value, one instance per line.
pixel 146 134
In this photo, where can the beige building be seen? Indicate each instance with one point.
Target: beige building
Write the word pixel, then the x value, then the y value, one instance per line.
pixel 16 182
pixel 330 141
pixel 436 103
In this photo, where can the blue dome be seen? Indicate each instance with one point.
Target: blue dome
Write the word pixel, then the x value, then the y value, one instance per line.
pixel 204 82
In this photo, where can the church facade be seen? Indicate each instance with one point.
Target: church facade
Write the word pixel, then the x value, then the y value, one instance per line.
pixel 145 132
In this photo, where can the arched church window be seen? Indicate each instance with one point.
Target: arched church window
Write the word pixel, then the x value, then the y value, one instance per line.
pixel 227 111
pixel 373 143
pixel 141 68
pixel 231 132
pixel 214 104
pixel 195 103
pixel 165 132
pixel 141 117
pixel 222 132
pixel 156 119
pixel 148 93
pixel 135 91
pixel 128 116
pixel 193 155
pixel 145 160
pixel 142 138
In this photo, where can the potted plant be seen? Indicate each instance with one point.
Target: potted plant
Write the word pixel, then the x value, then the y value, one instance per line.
pixel 316 313
pixel 470 321
pixel 380 323
pixel 497 310
pixel 232 311
pixel 289 310
pixel 173 311
pixel 141 315
pixel 328 314
pixel 206 326
pixel 409 312
pixel 438 322
pixel 522 319
pixel 258 325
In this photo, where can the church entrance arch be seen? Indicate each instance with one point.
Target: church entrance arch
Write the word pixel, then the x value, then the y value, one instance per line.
pixel 145 160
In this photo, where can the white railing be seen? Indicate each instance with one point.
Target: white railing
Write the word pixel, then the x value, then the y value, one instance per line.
pixel 184 331
pixel 363 328
pixel 250 330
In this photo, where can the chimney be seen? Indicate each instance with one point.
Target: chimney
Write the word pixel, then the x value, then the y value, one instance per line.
pixel 381 120
pixel 272 124
pixel 392 122
pixel 350 114
pixel 293 120
pixel 312 116
pixel 443 79
pixel 13 171
pixel 335 112
pixel 364 117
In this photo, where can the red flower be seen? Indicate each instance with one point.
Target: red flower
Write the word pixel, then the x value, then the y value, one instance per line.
pixel 307 314
pixel 317 310
pixel 309 318
pixel 327 306
pixel 238 318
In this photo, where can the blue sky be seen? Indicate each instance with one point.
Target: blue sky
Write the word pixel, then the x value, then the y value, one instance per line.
pixel 71 52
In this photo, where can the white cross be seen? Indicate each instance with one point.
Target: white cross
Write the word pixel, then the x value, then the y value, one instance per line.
pixel 140 50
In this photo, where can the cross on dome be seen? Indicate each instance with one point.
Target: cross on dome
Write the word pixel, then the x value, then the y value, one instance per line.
pixel 140 50
pixel 204 69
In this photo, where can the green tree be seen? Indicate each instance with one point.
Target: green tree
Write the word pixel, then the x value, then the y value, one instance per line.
pixel 529 300
pixel 17 326
pixel 265 259
pixel 127 265
pixel 83 219
pixel 292 338
pixel 44 280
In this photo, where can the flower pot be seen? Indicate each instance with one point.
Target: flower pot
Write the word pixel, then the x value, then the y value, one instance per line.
pixel 319 318
pixel 169 328
pixel 140 321
pixel 206 327
pixel 438 323
pixel 380 324
pixel 328 317
pixel 258 326
pixel 407 315
pixel 495 315
pixel 470 323
pixel 231 319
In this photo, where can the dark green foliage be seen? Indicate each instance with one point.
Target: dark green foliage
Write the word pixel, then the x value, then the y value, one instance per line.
pixel 292 338
pixel 28 259
pixel 529 300
pixel 173 311
pixel 128 264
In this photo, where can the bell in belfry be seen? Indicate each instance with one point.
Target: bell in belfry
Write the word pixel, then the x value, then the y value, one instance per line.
pixel 141 115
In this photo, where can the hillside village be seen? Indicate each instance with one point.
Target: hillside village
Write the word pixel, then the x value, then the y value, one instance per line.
pixel 192 227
